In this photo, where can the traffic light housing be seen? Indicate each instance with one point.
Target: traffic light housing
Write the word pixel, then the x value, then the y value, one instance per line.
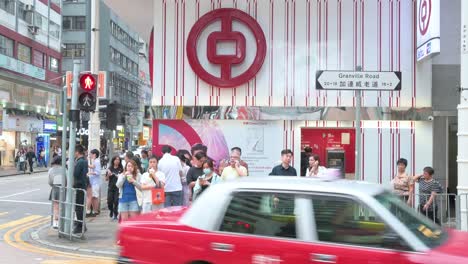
pixel 87 94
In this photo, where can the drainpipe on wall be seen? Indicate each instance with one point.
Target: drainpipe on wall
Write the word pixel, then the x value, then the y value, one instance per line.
pixel 462 157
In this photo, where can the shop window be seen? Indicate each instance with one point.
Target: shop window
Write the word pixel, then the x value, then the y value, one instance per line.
pixel 8 6
pixel 262 214
pixel 6 46
pixel 24 53
pixel 53 64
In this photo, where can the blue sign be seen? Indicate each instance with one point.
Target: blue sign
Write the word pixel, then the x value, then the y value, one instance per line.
pixel 43 144
pixel 50 126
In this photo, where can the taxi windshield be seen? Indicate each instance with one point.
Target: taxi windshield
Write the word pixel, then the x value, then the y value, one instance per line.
pixel 428 232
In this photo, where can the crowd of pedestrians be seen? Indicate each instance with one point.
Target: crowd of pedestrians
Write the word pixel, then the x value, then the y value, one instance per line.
pixel 141 184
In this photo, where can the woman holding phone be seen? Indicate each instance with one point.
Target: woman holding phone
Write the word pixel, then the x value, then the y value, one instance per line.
pixel 208 178
pixel 151 179
pixel 130 191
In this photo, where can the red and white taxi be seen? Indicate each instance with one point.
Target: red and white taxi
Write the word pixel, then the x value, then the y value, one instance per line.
pixel 290 220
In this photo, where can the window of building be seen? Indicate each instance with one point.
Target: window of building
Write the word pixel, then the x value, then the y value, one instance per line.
pixel 261 214
pixel 346 221
pixel 74 50
pixel 53 64
pixel 54 29
pixel 23 14
pixel 39 59
pixel 74 22
pixel 24 53
pixel 6 46
pixel 40 21
pixel 8 6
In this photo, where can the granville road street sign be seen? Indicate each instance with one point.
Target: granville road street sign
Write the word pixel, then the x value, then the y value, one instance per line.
pixel 356 80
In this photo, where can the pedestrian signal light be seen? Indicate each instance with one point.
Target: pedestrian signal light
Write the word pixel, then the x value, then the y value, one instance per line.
pixel 88 92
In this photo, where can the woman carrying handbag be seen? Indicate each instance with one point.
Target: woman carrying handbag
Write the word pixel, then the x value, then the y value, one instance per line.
pixel 152 186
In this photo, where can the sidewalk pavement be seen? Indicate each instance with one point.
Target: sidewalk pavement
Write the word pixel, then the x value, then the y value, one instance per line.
pixel 100 238
pixel 12 171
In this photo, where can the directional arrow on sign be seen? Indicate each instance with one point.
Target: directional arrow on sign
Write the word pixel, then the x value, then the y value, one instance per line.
pixel 352 80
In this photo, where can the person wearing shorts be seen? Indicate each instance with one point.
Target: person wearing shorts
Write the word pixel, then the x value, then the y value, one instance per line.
pixel 130 197
pixel 94 175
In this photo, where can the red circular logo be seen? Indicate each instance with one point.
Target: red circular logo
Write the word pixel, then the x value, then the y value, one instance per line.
pixel 425 9
pixel 227 16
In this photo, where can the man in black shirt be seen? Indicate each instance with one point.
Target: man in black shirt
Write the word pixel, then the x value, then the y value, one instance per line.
pixel 30 156
pixel 305 156
pixel 285 168
pixel 196 171
pixel 80 182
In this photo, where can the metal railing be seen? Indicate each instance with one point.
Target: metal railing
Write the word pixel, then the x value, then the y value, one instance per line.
pixel 73 222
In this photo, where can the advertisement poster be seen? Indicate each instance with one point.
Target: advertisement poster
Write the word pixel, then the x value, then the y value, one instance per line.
pixel 43 142
pixel 261 141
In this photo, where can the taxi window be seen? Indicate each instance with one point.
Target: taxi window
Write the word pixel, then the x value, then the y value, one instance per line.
pixel 263 214
pixel 346 221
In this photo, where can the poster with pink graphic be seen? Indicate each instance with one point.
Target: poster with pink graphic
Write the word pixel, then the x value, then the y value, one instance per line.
pixel 261 141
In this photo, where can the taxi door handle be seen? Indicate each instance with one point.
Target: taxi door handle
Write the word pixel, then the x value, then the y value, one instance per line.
pixel 323 258
pixel 222 247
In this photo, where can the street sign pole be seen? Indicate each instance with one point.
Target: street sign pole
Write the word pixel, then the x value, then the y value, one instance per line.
pixel 62 224
pixel 71 149
pixel 94 138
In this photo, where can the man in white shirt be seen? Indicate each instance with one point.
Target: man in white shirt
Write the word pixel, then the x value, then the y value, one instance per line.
pixel 171 167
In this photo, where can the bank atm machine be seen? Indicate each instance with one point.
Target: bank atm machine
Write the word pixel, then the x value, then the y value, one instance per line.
pixel 336 159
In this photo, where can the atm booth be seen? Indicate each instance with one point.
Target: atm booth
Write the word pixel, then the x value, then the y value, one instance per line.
pixel 336 159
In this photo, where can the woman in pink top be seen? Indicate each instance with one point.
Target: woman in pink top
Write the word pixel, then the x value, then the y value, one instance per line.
pixel 403 183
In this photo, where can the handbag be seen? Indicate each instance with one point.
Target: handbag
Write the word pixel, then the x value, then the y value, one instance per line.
pixel 157 194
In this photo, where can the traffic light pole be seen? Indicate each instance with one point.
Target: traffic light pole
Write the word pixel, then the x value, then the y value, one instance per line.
pixel 62 223
pixel 71 149
pixel 94 141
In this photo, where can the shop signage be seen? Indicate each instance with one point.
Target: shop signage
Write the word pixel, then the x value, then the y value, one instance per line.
pixel 428 28
pixel 50 127
pixel 225 59
pixel 85 132
pixel 349 80
pixel 21 67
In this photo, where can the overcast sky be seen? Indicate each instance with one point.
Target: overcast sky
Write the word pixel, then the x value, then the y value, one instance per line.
pixel 136 13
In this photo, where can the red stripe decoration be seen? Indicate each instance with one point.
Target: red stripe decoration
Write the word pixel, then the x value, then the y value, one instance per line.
pixel 362 47
pixel 355 43
pixel 380 151
pixel 308 12
pixel 294 54
pixel 255 79
pixel 286 51
pixel 413 103
pixel 392 134
pixel 326 48
pixel 413 148
pixel 339 45
pixel 379 17
pixel 319 43
pixel 399 47
pixel 363 156
pixel 164 53
pixel 272 8
pixel 176 65
pixel 399 138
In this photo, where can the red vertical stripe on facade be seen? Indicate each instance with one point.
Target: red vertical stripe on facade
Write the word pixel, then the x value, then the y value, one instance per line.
pixel 164 53
pixel 176 87
pixel 308 11
pixel 392 161
pixel 413 103
pixel 319 43
pixel 379 17
pixel 391 48
pixel 183 52
pixel 363 156
pixel 399 47
pixel 413 148
pixel 198 79
pixel 380 152
pixel 362 47
pixel 255 79
pixel 339 44
pixel 294 55
pixel 272 12
pixel 286 77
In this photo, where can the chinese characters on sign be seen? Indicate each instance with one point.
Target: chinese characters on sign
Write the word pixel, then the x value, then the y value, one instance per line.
pixel 341 80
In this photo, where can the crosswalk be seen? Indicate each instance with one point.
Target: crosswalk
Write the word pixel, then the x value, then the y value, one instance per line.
pixel 13 229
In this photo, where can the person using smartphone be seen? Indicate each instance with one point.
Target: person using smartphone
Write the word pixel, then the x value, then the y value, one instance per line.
pixel 235 169
pixel 208 178
pixel 149 180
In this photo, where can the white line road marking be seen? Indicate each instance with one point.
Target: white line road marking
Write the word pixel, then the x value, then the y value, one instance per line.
pixel 20 193
pixel 26 202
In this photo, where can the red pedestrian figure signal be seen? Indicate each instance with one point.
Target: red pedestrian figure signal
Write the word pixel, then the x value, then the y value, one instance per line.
pixel 87 82
pixel 87 93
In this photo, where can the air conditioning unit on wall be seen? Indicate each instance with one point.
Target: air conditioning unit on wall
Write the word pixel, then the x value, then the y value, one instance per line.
pixel 33 29
pixel 29 8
